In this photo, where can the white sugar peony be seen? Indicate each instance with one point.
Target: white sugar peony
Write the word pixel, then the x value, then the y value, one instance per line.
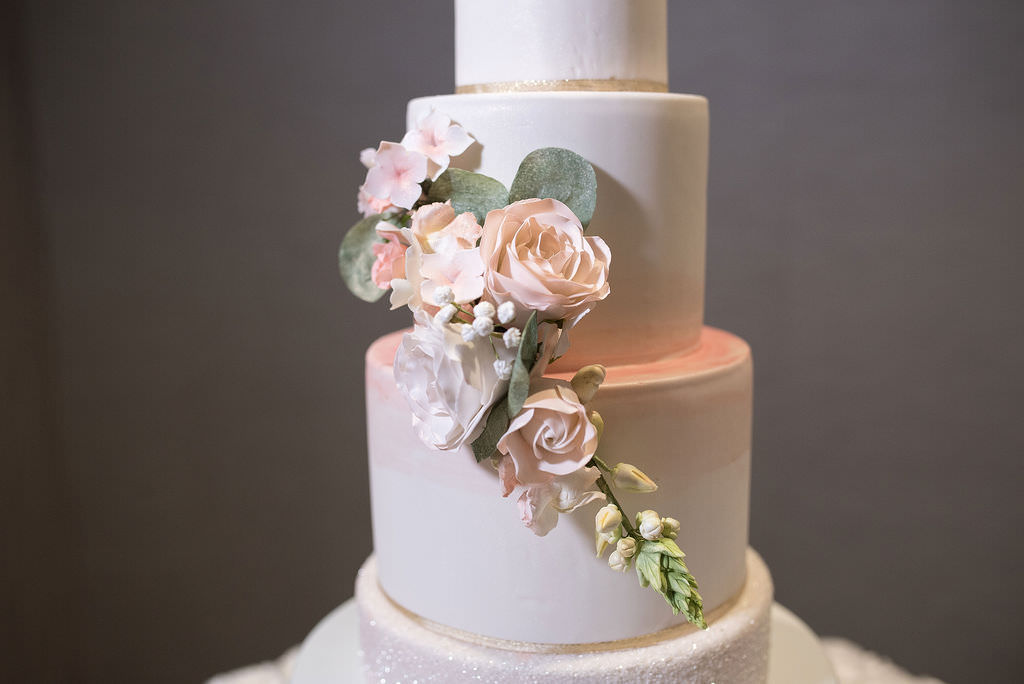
pixel 450 385
pixel 435 137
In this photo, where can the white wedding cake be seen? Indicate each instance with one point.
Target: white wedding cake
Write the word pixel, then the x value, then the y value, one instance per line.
pixel 550 399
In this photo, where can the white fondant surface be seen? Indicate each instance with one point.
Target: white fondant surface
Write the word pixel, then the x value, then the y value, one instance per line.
pixel 521 40
pixel 401 647
pixel 450 549
pixel 650 152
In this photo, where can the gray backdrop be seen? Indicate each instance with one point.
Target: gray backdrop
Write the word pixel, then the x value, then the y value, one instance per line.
pixel 183 411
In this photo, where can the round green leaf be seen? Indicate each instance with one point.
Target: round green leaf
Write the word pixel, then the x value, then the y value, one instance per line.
pixel 355 259
pixel 557 173
pixel 468 191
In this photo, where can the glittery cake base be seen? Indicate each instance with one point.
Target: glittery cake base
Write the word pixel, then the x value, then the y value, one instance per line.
pixel 399 647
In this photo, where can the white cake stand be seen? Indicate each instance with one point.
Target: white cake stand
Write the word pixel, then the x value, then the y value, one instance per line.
pixel 330 654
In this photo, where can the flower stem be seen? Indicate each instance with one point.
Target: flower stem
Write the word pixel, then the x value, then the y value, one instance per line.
pixel 602 484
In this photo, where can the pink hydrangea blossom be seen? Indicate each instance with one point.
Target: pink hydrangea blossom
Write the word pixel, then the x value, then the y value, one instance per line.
pixel 438 139
pixel 368 205
pixel 396 176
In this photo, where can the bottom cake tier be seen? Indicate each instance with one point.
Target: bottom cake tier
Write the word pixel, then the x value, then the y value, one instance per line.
pixel 399 646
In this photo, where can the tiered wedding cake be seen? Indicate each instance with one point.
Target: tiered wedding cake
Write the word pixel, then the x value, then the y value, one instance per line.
pixel 458 589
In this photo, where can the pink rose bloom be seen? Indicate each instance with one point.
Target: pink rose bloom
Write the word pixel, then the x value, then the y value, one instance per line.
pixel 438 139
pixel 396 175
pixel 550 437
pixel 390 263
pixel 536 256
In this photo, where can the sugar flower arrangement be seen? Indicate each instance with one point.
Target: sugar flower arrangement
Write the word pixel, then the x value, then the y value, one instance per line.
pixel 496 278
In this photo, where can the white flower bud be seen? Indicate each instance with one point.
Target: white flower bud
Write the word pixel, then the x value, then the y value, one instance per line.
pixel 506 312
pixel 512 337
pixel 669 528
pixel 626 547
pixel 446 314
pixel 632 479
pixel 603 539
pixel 483 326
pixel 650 525
pixel 617 563
pixel 503 367
pixel 484 310
pixel 587 380
pixel 608 518
pixel 444 295
pixel 368 157
pixel 468 333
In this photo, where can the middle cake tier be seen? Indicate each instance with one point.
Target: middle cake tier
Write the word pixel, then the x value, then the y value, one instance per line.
pixel 650 153
pixel 450 549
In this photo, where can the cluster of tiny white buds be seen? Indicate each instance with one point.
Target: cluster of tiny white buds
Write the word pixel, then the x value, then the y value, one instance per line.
pixel 444 295
pixel 506 312
pixel 512 337
pixel 626 547
pixel 484 310
pixel 503 367
pixel 649 525
pixel 483 326
pixel 468 333
pixel 607 519
pixel 446 314
pixel 669 528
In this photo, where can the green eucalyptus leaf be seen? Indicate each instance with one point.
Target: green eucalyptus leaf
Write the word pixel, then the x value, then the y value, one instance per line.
pixel 468 191
pixel 526 359
pixel 557 173
pixel 355 259
pixel 486 444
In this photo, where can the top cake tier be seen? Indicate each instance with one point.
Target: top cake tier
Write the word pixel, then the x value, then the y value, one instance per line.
pixel 530 45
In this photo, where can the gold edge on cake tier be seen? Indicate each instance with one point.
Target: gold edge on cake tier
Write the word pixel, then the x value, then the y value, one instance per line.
pixel 564 84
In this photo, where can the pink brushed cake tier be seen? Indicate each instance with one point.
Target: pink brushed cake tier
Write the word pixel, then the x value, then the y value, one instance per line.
pixel 687 418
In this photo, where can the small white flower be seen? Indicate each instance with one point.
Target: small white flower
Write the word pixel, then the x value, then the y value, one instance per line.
pixel 608 518
pixel 484 310
pixel 650 525
pixel 670 528
pixel 626 547
pixel 603 539
pixel 503 367
pixel 506 312
pixel 616 562
pixel 445 315
pixel 632 479
pixel 483 326
pixel 467 332
pixel 512 337
pixel 444 295
pixel 368 157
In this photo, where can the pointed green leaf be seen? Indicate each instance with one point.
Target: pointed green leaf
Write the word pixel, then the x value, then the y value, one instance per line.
pixel 486 444
pixel 557 173
pixel 355 259
pixel 526 359
pixel 468 191
pixel 649 570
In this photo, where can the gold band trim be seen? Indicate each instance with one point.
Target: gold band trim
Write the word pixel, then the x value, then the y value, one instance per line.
pixel 576 84
pixel 560 649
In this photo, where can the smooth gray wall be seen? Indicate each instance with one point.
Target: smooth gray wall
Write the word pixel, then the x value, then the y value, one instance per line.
pixel 194 167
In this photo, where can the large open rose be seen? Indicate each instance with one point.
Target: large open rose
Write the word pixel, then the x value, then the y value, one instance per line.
pixel 551 436
pixel 535 255
pixel 450 384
